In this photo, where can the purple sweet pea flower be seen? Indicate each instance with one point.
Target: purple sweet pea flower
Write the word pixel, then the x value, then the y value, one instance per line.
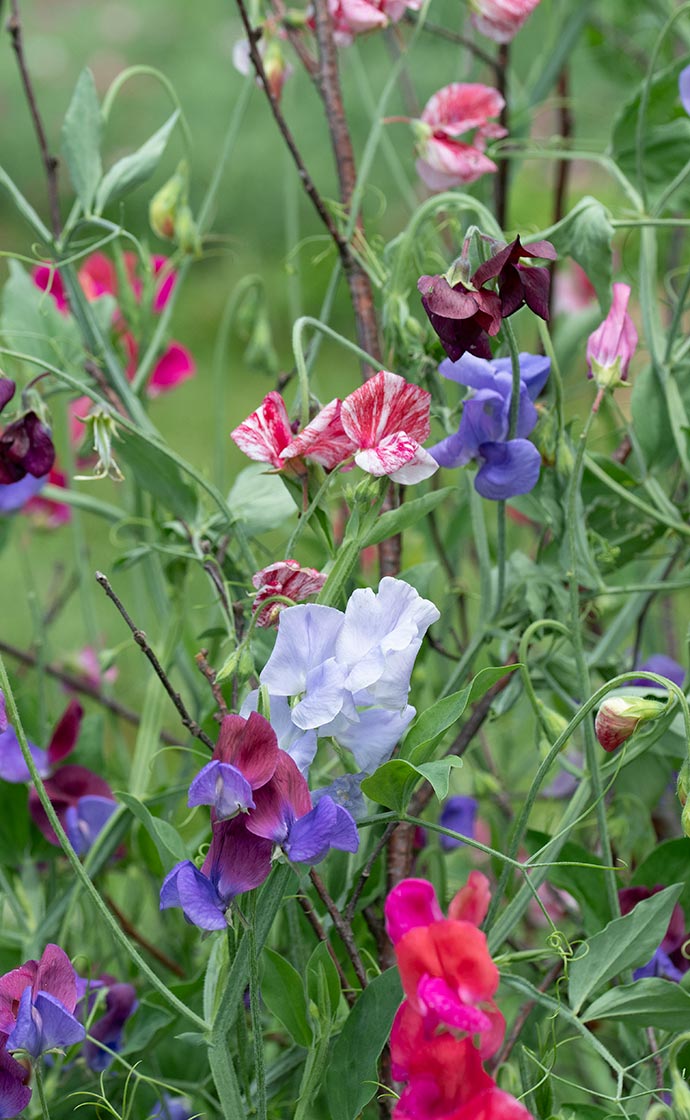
pixel 346 791
pixel 507 466
pixel 244 759
pixel 684 88
pixel 668 960
pixel 15 1094
pixel 85 819
pixel 172 1108
pixel 663 666
pixel 236 862
pixel 120 1003
pixel 46 991
pixel 15 495
pixel 459 814
pixel 659 965
pixel 63 740
pixel 284 815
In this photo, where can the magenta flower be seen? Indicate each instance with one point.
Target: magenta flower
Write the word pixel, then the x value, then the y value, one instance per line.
pixel 501 20
pixel 286 578
pixel 284 815
pixel 684 88
pixel 446 161
pixel 37 1003
pixel 236 862
pixel 387 419
pixel 244 759
pixel 611 346
pixel 266 432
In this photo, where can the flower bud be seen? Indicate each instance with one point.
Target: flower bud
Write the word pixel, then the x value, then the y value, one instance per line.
pixel 681 1095
pixel 619 716
pixel 683 782
pixel 101 431
pixel 612 345
pixel 169 213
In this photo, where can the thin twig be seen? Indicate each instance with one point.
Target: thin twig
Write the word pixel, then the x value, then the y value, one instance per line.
pixel 82 686
pixel 210 675
pixel 50 162
pixel 343 927
pixel 312 917
pixel 148 946
pixel 657 1060
pixel 141 640
pixel 364 874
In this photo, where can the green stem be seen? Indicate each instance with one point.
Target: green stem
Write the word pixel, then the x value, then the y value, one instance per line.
pixel 40 1090
pixel 512 428
pixel 300 359
pixel 255 1010
pixel 76 865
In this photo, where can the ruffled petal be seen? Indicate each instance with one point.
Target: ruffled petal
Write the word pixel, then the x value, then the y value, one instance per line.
pixel 508 469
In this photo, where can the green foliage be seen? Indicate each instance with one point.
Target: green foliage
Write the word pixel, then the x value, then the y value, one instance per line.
pixel 81 139
pixel 586 235
pixel 131 171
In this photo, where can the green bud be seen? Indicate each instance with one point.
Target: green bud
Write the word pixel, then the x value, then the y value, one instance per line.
pixel 683 782
pixel 166 202
pixel 101 429
pixel 554 721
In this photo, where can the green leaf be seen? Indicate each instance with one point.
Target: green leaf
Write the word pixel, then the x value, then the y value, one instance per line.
pixel 668 863
pixel 282 990
pixel 81 139
pixel 260 500
pixel 32 324
pixel 625 943
pixel 397 520
pixel 321 964
pixel 651 420
pixel 352 1077
pixel 130 171
pixel 394 783
pixel 585 234
pixel 14 824
pixel 166 838
pixel 427 730
pixel 214 977
pixel 25 208
pixel 649 1002
pixel 157 474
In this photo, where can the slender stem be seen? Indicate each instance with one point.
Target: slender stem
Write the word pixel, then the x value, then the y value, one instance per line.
pixel 454 37
pixel 342 926
pixel 512 428
pixel 255 1010
pixel 40 1089
pixel 312 917
pixel 50 162
pixel 73 859
pixel 591 745
pixel 147 945
pixel 566 127
pixel 141 640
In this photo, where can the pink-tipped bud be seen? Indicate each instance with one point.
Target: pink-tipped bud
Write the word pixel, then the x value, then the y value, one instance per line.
pixel 619 716
pixel 611 346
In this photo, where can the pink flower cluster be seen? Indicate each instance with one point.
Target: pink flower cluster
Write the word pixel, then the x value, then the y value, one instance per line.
pixel 354 17
pixel 448 1023
pixel 445 160
pixel 381 425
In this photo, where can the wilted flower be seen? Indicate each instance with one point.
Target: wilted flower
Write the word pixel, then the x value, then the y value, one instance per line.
pixel 619 716
pixel 37 1002
pixel 501 20
pixel 286 578
pixel 446 161
pixel 611 346
pixel 507 466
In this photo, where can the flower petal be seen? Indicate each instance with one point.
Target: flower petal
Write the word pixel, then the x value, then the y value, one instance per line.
pixel 410 904
pixel 185 886
pixel 509 468
pixel 385 405
pixel 266 432
pixel 12 765
pixel 175 366
pixel 224 787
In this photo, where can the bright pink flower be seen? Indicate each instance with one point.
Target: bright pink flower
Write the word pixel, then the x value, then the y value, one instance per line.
pixel 386 419
pixel 445 161
pixel 174 366
pixel 324 439
pixel 47 277
pixel 611 346
pixel 284 578
pixel 97 277
pixel 89 667
pixel 411 903
pixel 471 903
pixel 46 513
pixel 501 20
pixel 266 432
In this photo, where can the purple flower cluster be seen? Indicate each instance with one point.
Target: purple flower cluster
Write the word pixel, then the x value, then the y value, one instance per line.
pixel 83 801
pixel 345 675
pixel 259 801
pixel 507 467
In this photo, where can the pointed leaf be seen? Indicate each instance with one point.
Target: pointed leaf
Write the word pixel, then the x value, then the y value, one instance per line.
pixel 130 171
pixel 166 838
pixel 625 943
pixel 396 520
pixel 282 990
pixel 156 473
pixel 585 234
pixel 81 139
pixel 650 1002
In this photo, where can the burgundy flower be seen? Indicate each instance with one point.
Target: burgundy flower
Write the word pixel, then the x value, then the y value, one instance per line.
pixel 519 284
pixel 83 802
pixel 25 445
pixel 462 316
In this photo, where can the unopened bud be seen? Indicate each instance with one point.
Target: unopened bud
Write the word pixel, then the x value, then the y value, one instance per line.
pixel 553 721
pixel 683 782
pixel 619 716
pixel 170 215
pixel 681 1095
pixel 276 67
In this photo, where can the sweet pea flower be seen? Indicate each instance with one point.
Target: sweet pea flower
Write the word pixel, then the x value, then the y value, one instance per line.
pixel 324 439
pixel 459 814
pixel 387 419
pixel 16 495
pixel 684 88
pixel 26 447
pixel 355 17
pixel 507 466
pixel 619 717
pixel 299 744
pixel 15 1093
pixel 446 161
pixel 284 814
pixel 663 666
pixel 244 759
pixel 172 1108
pixel 519 284
pixel 266 432
pixel 611 346
pixel 286 578
pixel 501 20
pixel 120 1003
pixel 13 768
pixel 37 1002
pixel 237 861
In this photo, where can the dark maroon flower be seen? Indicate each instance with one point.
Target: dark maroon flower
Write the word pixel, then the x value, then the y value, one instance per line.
pixel 463 318
pixel 519 284
pixel 25 445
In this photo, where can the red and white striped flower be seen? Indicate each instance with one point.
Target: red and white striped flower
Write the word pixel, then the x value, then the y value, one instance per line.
pixel 286 577
pixel 266 432
pixel 324 440
pixel 445 161
pixel 501 20
pixel 387 419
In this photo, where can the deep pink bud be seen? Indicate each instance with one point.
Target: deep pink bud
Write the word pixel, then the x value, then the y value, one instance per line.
pixel 618 717
pixel 612 345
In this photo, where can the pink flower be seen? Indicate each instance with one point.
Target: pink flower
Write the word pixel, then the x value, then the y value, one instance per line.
pixel 611 346
pixel 48 279
pixel 284 578
pixel 386 419
pixel 266 432
pixel 324 440
pixel 501 20
pixel 445 161
pixel 354 17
